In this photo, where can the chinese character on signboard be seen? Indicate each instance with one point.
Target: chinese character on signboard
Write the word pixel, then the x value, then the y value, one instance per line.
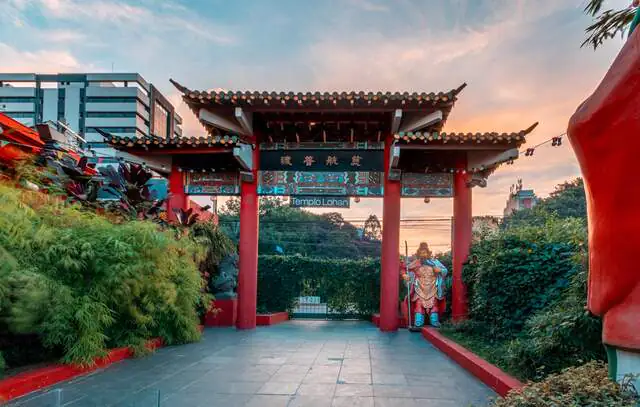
pixel 332 160
pixel 308 160
pixel 286 160
pixel 355 161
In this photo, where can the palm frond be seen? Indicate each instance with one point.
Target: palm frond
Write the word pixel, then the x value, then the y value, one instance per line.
pixel 607 25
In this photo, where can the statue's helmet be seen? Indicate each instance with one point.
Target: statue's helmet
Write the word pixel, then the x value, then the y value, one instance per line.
pixel 423 251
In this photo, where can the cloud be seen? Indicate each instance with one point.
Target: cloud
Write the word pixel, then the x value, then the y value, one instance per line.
pixel 369 5
pixel 100 10
pixel 46 60
pixel 62 36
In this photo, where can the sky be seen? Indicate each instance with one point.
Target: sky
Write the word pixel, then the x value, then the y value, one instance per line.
pixel 521 59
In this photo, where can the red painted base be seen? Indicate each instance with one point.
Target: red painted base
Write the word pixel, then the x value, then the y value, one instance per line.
pixel 271 319
pixel 402 321
pixel 489 374
pixel 225 315
pixel 27 382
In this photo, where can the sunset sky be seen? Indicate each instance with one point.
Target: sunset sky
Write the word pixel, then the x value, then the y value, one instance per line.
pixel 521 59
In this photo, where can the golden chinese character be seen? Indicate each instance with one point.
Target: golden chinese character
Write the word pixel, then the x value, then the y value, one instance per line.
pixel 355 161
pixel 285 160
pixel 308 160
pixel 332 160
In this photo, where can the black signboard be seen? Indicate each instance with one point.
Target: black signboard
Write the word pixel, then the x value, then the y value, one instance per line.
pixel 322 160
pixel 320 201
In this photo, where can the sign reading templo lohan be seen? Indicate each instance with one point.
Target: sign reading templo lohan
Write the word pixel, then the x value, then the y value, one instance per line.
pixel 320 202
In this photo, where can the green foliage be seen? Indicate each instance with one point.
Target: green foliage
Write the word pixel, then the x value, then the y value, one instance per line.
pixel 447 261
pixel 83 285
pixel 568 200
pixel 527 287
pixel 587 385
pixel 608 23
pixel 520 272
pixel 297 231
pixel 565 334
pixel 348 286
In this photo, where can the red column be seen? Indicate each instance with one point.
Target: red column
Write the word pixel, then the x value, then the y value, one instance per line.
pixel 461 244
pixel 178 198
pixel 248 250
pixel 390 260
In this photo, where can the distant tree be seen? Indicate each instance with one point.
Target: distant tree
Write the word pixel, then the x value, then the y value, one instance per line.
pixel 372 229
pixel 568 200
pixel 608 23
pixel 334 218
pixel 295 230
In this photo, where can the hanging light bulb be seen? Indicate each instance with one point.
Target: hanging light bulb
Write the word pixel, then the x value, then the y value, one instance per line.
pixel 427 200
pixel 356 199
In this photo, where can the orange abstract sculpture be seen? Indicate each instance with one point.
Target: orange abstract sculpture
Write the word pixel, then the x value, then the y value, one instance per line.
pixel 605 134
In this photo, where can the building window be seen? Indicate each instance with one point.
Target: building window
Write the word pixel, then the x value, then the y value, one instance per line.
pixel 111 114
pixel 112 129
pixel 19 115
pixel 16 100
pixel 107 99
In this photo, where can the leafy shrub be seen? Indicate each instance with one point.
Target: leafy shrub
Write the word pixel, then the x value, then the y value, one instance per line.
pixel 587 385
pixel 348 286
pixel 83 284
pixel 563 335
pixel 521 271
pixel 447 261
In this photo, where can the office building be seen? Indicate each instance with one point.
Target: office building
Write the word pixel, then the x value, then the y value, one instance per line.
pixel 119 103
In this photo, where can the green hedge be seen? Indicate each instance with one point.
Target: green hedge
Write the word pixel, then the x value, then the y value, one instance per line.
pixel 83 284
pixel 527 295
pixel 342 283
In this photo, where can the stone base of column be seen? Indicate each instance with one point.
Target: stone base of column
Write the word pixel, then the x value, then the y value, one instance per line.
pixel 226 315
pixel 624 364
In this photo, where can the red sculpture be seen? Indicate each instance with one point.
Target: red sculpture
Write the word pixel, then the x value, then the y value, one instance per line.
pixel 605 135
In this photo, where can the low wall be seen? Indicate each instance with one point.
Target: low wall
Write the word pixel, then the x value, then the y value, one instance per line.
pixel 27 382
pixel 271 319
pixel 487 373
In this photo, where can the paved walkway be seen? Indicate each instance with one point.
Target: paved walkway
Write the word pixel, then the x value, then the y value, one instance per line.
pixel 299 363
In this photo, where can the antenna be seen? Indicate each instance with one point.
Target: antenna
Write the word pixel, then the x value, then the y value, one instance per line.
pixel 112 66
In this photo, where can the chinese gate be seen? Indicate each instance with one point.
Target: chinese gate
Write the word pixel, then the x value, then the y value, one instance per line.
pixel 349 144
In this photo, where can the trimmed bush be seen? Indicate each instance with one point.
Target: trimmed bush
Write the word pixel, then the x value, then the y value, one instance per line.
pixel 83 285
pixel 348 286
pixel 520 272
pixel 587 385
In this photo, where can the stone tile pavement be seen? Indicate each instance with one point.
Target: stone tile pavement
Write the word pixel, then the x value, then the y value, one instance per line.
pixel 298 363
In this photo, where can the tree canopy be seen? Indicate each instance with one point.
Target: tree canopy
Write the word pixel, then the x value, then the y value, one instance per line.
pixel 288 230
pixel 568 200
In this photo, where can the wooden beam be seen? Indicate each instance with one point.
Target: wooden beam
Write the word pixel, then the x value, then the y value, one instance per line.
pixel 220 122
pixel 486 159
pixel 245 119
pixel 395 121
pixel 243 153
pixel 419 121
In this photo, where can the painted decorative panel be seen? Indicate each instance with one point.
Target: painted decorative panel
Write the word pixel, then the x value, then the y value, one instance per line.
pixel 319 183
pixel 212 183
pixel 427 185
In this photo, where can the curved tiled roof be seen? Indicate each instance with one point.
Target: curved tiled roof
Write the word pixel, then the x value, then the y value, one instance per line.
pixel 209 141
pixel 362 100
pixel 515 138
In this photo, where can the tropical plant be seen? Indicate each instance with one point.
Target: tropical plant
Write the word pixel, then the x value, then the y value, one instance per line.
pixel 83 284
pixel 128 191
pixel 608 23
pixel 587 385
